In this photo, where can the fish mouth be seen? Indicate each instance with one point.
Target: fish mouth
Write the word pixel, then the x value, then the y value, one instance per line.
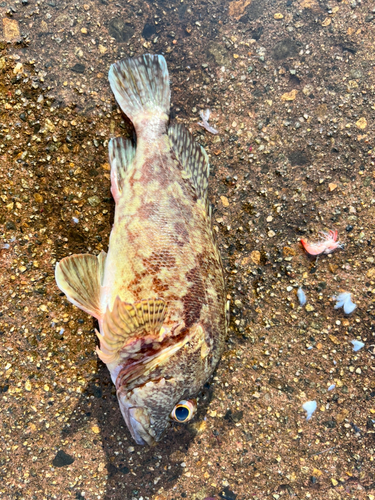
pixel 136 419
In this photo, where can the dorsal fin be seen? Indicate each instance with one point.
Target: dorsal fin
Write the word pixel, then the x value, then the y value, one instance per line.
pixel 80 278
pixel 193 158
pixel 129 321
pixel 121 153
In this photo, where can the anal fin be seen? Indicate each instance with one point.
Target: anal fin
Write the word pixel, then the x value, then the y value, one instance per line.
pixel 128 322
pixel 80 278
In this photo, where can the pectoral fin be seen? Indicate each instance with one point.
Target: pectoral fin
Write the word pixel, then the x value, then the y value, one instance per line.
pixel 80 278
pixel 129 321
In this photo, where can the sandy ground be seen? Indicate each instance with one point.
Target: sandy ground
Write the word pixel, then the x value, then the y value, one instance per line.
pixel 291 88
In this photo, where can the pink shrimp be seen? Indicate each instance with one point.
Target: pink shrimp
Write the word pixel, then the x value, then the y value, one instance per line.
pixel 327 244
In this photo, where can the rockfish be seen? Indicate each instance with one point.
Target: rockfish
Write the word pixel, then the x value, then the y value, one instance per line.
pixel 158 294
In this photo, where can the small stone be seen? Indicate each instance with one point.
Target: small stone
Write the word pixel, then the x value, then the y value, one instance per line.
pixel 271 234
pixel 10 225
pixel 289 252
pixel 11 30
pixel 289 96
pixel 62 459
pixel 333 268
pixel 334 482
pixel 18 68
pixel 102 49
pixel 38 198
pixel 95 429
pixel 334 339
pixel 278 15
pixel 332 186
pixel 78 68
pixel 28 385
pixel 361 123
pixel 340 417
pixel 86 6
pixel 317 472
pixel 255 257
pixel 119 30
pixel 309 308
pixel 94 200
pixel 327 21
pixel 224 201
pixel 269 218
pixel 371 273
pixel 84 31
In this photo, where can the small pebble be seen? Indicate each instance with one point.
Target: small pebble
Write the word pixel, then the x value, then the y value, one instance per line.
pixel 309 407
pixel 357 345
pixel 301 297
pixel 344 300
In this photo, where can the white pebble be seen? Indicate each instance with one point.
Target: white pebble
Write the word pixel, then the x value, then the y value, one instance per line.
pixel 344 299
pixel 357 345
pixel 309 407
pixel 75 220
pixel 331 387
pixel 301 296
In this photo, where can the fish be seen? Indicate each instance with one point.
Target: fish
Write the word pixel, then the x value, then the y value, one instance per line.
pixel 158 294
pixel 326 245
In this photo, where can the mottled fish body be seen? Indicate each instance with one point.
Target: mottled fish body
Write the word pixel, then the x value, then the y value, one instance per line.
pixel 159 293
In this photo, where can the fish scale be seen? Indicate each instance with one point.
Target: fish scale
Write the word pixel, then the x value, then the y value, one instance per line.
pixel 158 294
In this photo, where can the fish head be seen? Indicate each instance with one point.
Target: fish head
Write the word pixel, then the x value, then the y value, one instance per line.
pixel 161 390
pixel 149 410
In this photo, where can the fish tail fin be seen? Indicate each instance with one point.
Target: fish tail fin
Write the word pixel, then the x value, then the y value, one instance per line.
pixel 141 88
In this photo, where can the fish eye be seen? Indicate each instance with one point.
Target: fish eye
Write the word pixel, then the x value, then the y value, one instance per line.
pixel 184 410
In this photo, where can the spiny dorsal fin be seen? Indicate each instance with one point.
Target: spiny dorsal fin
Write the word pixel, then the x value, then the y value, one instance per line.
pixel 121 153
pixel 193 158
pixel 127 321
pixel 80 278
